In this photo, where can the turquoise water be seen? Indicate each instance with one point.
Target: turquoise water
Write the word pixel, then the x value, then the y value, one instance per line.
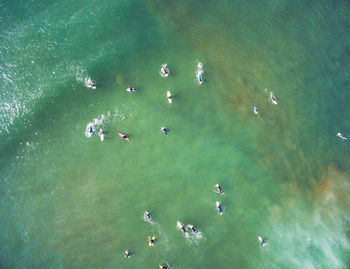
pixel 68 201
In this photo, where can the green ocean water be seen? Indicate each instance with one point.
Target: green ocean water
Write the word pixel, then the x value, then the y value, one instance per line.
pixel 69 201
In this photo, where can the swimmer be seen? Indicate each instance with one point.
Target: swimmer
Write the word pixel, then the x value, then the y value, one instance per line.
pixel 169 96
pixel 151 241
pixel 342 136
pixel 273 98
pixel 166 131
pixel 218 187
pixel 127 254
pixel 101 135
pixel 261 241
pixel 255 109
pixel 164 71
pixel 191 227
pixel 147 216
pixel 130 89
pixel 182 228
pixel 219 208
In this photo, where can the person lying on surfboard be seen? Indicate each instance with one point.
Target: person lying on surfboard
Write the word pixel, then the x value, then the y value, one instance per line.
pixel 273 98
pixel 147 216
pixel 166 131
pixel 199 77
pixel 130 89
pixel 127 254
pixel 218 187
pixel 169 96
pixel 342 136
pixel 164 71
pixel 219 208
pixel 101 135
pixel 123 136
pixel 261 241
pixel 199 73
pixel 151 241
pixel 191 227
pixel 90 84
pixel 181 227
pixel 89 130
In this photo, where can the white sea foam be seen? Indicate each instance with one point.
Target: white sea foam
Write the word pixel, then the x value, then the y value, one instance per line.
pixel 118 115
pixel 96 123
pixel 311 236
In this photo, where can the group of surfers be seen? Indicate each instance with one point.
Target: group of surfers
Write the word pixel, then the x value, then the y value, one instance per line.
pixel 164 72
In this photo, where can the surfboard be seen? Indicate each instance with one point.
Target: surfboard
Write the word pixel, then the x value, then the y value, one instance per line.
pixel 169 96
pixel 123 136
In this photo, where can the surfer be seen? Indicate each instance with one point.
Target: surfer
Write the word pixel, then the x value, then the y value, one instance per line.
pixel 164 267
pixel 273 98
pixel 219 208
pixel 261 241
pixel 191 227
pixel 218 187
pixel 130 89
pixel 101 135
pixel 127 254
pixel 199 73
pixel 169 96
pixel 147 216
pixel 182 228
pixel 342 136
pixel 123 136
pixel 255 109
pixel 89 130
pixel 90 84
pixel 199 78
pixel 166 131
pixel 164 71
pixel 151 241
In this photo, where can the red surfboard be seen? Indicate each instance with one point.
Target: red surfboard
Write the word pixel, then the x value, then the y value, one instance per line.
pixel 123 136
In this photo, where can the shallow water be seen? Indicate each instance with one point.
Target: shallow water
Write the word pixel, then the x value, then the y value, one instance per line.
pixel 68 201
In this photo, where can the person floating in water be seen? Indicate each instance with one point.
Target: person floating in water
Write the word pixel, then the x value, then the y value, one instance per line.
pixel 218 187
pixel 130 89
pixel 261 241
pixel 151 241
pixel 219 208
pixel 165 130
pixel 101 135
pixel 169 96
pixel 147 216
pixel 342 136
pixel 255 109
pixel 127 254
pixel 164 71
